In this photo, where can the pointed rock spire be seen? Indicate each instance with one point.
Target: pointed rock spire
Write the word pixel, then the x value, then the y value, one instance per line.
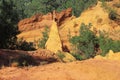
pixel 54 43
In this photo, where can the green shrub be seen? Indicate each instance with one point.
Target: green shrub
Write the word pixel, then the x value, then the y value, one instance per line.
pixel 78 6
pixel 112 14
pixel 85 43
pixel 24 60
pixel 77 56
pixel 107 44
pixel 43 41
pixel 60 55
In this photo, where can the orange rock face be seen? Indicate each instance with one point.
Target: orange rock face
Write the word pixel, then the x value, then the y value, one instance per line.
pixel 39 21
pixel 68 24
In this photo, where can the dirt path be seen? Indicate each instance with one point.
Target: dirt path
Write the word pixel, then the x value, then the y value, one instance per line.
pixel 92 69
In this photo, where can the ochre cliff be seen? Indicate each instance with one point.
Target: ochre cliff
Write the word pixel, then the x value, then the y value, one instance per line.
pixel 97 16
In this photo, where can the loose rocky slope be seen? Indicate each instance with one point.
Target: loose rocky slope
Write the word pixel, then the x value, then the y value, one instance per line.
pixel 93 69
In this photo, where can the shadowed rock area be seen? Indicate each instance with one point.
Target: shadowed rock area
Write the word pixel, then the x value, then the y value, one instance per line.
pixel 81 70
pixel 8 57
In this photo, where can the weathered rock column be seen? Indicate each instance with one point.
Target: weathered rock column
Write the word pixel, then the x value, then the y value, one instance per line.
pixel 54 42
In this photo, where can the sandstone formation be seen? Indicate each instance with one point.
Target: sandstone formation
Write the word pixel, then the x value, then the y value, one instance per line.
pixel 39 21
pixel 33 27
pixel 99 19
pixel 110 56
pixel 54 42
pixel 97 68
pixel 68 57
pixel 67 24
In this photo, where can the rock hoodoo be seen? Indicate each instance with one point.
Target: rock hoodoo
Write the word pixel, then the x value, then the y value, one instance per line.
pixel 54 42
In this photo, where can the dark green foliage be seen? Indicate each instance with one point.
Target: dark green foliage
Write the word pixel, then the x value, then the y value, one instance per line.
pixel 27 8
pixel 107 44
pixel 42 41
pixel 22 7
pixel 85 42
pixel 60 55
pixel 8 24
pixel 42 6
pixel 112 14
pixel 33 7
pixel 86 45
pixel 9 18
pixel 51 5
pixel 77 5
pixel 25 60
pixel 77 56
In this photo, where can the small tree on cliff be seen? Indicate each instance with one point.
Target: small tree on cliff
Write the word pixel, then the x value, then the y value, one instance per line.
pixel 42 42
pixel 8 24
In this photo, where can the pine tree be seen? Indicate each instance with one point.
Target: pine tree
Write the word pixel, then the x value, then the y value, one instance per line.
pixel 8 24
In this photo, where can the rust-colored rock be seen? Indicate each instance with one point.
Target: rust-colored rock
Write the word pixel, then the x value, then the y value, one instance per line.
pixel 60 17
pixel 39 21
pixel 35 22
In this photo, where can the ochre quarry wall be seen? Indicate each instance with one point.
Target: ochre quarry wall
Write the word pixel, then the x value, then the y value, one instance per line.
pixel 66 23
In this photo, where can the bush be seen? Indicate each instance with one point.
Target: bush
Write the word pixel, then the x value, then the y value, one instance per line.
pixel 60 55
pixel 107 44
pixel 43 41
pixel 8 24
pixel 77 56
pixel 78 6
pixel 112 14
pixel 23 60
pixel 85 43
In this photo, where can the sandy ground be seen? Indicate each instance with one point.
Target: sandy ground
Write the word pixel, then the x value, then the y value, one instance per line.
pixel 93 69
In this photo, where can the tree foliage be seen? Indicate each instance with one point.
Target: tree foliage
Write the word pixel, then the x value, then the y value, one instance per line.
pixel 8 24
pixel 21 7
pixel 87 44
pixel 42 42
pixel 27 8
pixel 107 44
